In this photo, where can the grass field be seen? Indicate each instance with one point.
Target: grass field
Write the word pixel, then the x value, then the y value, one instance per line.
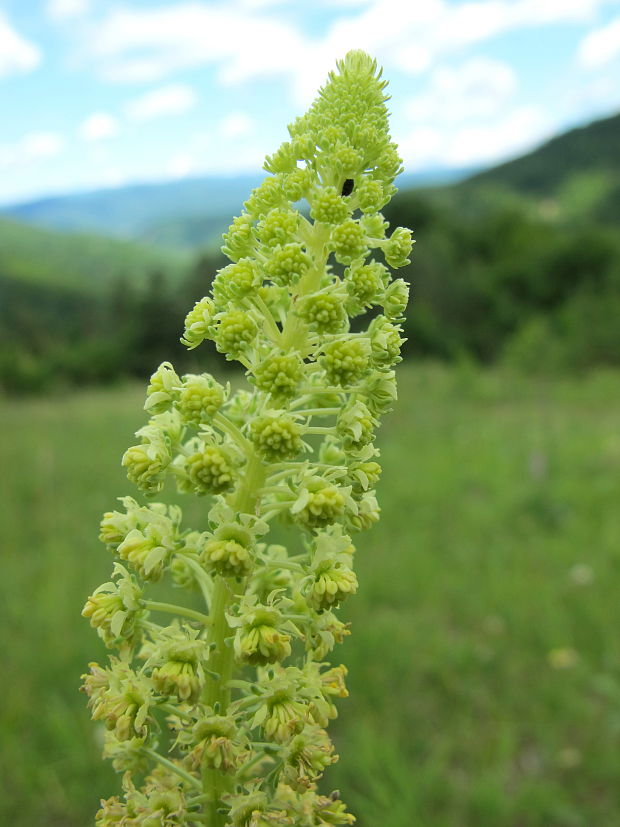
pixel 485 655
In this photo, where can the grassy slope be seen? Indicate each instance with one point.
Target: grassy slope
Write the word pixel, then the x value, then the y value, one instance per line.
pixel 82 262
pixel 494 489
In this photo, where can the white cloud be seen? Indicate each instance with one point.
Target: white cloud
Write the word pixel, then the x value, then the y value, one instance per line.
pixel 472 144
pixel 41 144
pixel 243 39
pixel 99 126
pixel 413 35
pixel 67 9
pixel 16 53
pixel 180 165
pixel 173 99
pixel 262 4
pixel 478 87
pixel 134 44
pixel 236 125
pixel 600 46
pixel 32 147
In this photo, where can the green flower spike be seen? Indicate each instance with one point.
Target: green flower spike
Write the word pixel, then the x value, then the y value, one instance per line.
pixel 216 705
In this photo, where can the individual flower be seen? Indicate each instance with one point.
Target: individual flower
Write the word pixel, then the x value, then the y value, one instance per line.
pixel 262 632
pixel 235 333
pixel 120 698
pixel 297 183
pixel 321 503
pixel 324 312
pixel 329 206
pixel 213 743
pixel 200 398
pixel 265 197
pixel 210 470
pixel 279 374
pixel 280 713
pixel 287 263
pixel 332 581
pixel 378 391
pixel 366 514
pixel 398 247
pixel 349 242
pixel 114 608
pixel 371 194
pixel 278 227
pixel 178 658
pixel 162 390
pixel 147 462
pixel 127 756
pixel 364 284
pixel 395 299
pixel 346 361
pixel 148 549
pixel 239 239
pixel 385 342
pixel 355 425
pixel 276 436
pixel 324 632
pixel 198 323
pixel 306 757
pixel 236 281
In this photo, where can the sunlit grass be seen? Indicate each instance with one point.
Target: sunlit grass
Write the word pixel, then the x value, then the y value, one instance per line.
pixel 484 650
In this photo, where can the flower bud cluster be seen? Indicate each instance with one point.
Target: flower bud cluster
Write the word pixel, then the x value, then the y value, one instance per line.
pixel 238 676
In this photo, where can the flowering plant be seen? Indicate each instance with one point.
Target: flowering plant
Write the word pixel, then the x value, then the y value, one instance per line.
pixel 219 717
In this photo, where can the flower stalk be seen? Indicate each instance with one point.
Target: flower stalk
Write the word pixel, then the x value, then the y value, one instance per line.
pixel 238 694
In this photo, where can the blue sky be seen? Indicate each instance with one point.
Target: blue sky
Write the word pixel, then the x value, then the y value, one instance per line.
pixel 101 93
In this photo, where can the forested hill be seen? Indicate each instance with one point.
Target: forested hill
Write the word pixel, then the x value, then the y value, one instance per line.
pixel 591 148
pixel 87 263
pixel 580 170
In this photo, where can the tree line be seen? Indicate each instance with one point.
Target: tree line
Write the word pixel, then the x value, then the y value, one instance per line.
pixel 492 280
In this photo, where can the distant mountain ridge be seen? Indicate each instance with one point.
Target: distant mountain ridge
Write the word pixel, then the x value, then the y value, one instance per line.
pixel 184 214
pixel 136 211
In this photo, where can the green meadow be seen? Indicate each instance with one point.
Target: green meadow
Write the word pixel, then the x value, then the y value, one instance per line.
pixel 484 659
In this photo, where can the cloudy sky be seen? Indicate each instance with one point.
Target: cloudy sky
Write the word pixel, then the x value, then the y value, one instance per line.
pixel 103 92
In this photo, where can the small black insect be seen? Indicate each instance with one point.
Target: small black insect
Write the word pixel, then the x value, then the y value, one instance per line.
pixel 347 187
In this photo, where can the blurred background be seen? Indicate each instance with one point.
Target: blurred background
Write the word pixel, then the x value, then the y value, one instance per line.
pixel 484 660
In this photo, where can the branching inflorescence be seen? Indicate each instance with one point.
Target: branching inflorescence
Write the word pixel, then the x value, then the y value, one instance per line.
pixel 218 716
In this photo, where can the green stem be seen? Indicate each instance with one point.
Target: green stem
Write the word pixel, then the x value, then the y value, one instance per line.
pixel 319 411
pixel 274 330
pixel 204 580
pixel 229 428
pixel 218 690
pixel 310 391
pixel 171 608
pixel 172 710
pixel 194 782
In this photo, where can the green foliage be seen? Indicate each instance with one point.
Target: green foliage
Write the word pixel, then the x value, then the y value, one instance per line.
pixel 52 336
pixel 482 276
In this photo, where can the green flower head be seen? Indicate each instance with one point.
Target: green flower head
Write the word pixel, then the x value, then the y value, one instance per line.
pixel 205 718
